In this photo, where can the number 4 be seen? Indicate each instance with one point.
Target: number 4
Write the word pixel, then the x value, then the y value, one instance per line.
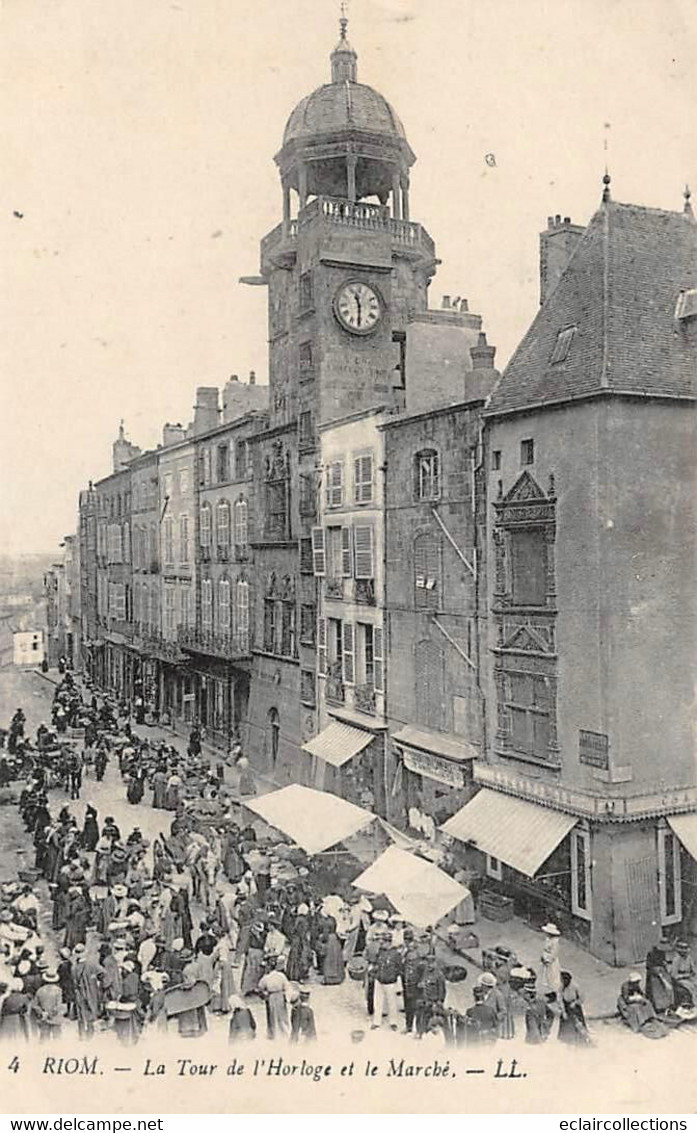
pixel 14 1065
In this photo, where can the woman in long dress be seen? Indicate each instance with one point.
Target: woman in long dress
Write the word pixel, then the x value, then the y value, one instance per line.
pixel 572 1023
pixel 273 988
pixel 550 975
pixel 331 954
pixel 253 968
pixel 659 983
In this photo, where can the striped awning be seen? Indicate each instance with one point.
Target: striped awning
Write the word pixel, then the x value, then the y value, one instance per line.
pixel 685 826
pixel 519 833
pixel 337 743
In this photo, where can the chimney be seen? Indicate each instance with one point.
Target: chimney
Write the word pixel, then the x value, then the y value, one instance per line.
pixel 445 303
pixel 482 378
pixel 482 354
pixel 172 434
pixel 123 452
pixel 557 245
pixel 252 378
pixel 206 409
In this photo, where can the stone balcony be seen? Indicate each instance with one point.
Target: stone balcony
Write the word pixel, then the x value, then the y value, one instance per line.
pixel 231 646
pixel 407 236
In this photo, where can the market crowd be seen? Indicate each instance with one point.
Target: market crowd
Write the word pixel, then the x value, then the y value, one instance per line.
pixel 214 918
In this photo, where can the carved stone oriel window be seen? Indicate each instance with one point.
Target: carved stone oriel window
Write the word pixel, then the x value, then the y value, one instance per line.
pixel 524 612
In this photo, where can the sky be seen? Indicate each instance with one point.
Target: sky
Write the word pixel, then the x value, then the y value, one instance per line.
pixel 138 144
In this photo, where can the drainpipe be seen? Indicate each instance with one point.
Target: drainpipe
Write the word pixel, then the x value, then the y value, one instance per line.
pixel 479 577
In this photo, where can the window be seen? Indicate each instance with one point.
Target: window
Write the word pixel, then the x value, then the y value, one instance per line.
pixel 185 606
pixel 686 306
pixel 167 485
pixel 206 467
pixel 427 571
pixel 399 338
pixel 669 876
pixel 335 484
pixel 277 509
pixel 319 555
pixel 169 540
pixel 305 290
pixel 274 734
pixel 363 551
pixel 154 549
pixel 529 710
pixel 223 525
pixel 307 687
pixel 322 646
pixel 224 606
pixel 528 556
pixel 206 603
pixel 223 463
pixel 496 460
pixel 429 685
pixel 241 460
pixel 494 868
pixel 126 542
pixel 369 663
pixel 581 873
pixel 183 539
pixel 305 362
pixel 287 620
pixel 307 562
pixel 242 614
pixel 170 605
pixel 338 547
pixel 241 523
pixel 527 452
pixel 427 475
pixel 562 345
pixel 305 429
pixel 205 525
pixel 347 652
pixel 183 481
pixel 308 618
pixel 270 610
pixel 363 478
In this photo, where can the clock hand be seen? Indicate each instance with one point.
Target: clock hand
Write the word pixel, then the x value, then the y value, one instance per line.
pixel 358 308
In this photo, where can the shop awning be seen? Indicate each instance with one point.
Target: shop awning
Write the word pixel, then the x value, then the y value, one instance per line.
pixel 337 743
pixel 685 826
pixel 421 893
pixel 314 820
pixel 519 833
pixel 438 743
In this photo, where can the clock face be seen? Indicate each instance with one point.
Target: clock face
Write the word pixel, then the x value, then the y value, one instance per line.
pixel 358 307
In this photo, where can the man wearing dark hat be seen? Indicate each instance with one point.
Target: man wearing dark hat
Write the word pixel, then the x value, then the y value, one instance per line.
pixel 412 971
pixel 659 983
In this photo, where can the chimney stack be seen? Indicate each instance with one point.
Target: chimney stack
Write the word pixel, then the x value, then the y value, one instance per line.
pixel 206 409
pixel 252 378
pixel 557 245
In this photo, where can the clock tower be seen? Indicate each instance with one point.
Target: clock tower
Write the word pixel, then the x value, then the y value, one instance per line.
pixel 347 267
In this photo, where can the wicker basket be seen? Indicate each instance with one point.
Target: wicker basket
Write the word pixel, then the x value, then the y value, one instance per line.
pixel 357 968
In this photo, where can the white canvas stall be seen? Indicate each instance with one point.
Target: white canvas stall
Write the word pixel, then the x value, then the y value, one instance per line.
pixel 314 820
pixel 422 893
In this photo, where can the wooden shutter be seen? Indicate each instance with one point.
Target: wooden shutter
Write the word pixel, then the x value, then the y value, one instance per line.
pixel 378 663
pixel 319 554
pixel 322 646
pixel 347 634
pixel 346 557
pixel 363 551
pixel 335 484
pixel 363 479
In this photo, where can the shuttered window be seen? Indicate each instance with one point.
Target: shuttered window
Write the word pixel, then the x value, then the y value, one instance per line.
pixel 223 522
pixel 319 556
pixel 335 484
pixel 205 522
pixel 224 605
pixel 427 571
pixel 169 540
pixel 346 556
pixel 322 646
pixel 363 551
pixel 429 668
pixel 241 523
pixel 242 612
pixel 378 662
pixel 207 603
pixel 348 653
pixel 363 479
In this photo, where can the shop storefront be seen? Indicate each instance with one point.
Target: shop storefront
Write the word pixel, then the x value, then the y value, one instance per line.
pixel 345 760
pixel 433 777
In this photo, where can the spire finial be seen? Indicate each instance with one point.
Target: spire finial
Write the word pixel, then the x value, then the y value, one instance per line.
pixel 606 186
pixel 343 19
pixel 343 56
pixel 687 194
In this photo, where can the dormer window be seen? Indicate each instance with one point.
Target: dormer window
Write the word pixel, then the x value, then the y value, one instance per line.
pixel 562 346
pixel 686 306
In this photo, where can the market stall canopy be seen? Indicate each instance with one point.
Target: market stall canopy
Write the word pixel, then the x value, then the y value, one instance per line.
pixel 519 833
pixel 338 743
pixel 421 893
pixel 685 826
pixel 314 820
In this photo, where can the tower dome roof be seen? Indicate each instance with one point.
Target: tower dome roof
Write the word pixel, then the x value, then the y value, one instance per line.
pixel 340 106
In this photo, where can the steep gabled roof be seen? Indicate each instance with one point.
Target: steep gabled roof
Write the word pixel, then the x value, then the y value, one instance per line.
pixel 619 293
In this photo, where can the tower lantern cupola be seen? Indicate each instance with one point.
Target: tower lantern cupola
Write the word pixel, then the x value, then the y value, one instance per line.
pixel 344 58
